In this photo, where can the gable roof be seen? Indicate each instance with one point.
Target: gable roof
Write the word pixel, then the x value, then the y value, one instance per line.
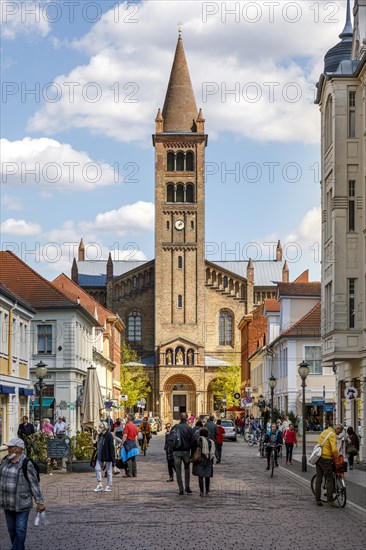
pixel 22 280
pixel 307 326
pixel 15 298
pixel 94 272
pixel 266 272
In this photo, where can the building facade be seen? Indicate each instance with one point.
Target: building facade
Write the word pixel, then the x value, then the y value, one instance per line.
pixel 341 97
pixel 180 310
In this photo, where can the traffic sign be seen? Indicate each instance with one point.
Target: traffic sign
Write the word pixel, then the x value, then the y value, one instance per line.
pixel 350 393
pixel 33 398
pixel 236 395
pixel 123 397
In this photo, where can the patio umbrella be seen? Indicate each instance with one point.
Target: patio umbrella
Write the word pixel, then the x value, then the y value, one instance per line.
pixel 92 403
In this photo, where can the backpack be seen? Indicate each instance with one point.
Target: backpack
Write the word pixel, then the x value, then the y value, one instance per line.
pixel 25 468
pixel 173 439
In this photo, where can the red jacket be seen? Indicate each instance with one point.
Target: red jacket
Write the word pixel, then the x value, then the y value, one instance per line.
pixel 220 434
pixel 290 436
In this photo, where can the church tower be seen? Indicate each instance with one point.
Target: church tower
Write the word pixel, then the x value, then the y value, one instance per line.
pixel 179 144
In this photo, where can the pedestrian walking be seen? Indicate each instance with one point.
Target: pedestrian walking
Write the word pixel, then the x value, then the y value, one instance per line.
pixel 203 468
pixel 290 439
pixel 196 429
pixel 129 447
pixel 105 454
pixel 118 430
pixel 19 485
pixel 47 427
pixel 352 445
pixel 191 420
pixel 219 441
pixel 25 430
pixel 169 453
pixel 212 428
pixel 182 452
pixel 269 424
pixel 324 465
pixel 60 427
pixel 286 424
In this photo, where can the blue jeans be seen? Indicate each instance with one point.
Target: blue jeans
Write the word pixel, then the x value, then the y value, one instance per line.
pixel 17 523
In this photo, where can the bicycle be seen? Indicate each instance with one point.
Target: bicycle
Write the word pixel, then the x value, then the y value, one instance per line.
pixel 339 488
pixel 143 444
pixel 273 458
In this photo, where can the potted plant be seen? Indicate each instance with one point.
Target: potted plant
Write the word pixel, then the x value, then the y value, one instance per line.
pixel 81 452
pixel 37 445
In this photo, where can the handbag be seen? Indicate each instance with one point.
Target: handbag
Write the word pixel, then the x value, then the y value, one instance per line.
pixel 93 461
pixel 317 451
pixel 120 464
pixel 351 449
pixel 197 455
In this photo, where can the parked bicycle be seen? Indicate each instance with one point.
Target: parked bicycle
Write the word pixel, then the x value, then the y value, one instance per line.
pixel 339 492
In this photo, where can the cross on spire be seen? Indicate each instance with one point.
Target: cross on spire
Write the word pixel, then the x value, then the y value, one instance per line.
pixel 180 28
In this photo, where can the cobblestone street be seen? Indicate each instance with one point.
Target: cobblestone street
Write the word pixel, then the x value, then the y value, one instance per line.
pixel 245 507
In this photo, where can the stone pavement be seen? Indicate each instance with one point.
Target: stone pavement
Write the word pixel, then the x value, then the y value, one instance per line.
pixel 245 508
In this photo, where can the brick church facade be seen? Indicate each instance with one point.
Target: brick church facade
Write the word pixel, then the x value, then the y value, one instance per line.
pixel 181 311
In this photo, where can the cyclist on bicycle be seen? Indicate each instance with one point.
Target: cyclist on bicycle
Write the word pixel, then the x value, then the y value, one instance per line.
pixel 273 439
pixel 145 429
pixel 324 465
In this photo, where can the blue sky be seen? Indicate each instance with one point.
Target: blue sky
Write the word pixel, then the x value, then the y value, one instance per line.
pixel 92 151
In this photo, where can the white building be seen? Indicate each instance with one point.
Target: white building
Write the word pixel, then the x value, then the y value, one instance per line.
pixel 341 97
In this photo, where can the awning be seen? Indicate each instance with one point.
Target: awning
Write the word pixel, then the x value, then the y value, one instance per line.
pixel 239 409
pixel 7 389
pixel 46 402
pixel 26 391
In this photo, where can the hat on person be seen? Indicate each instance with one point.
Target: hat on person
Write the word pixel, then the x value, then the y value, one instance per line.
pixel 15 442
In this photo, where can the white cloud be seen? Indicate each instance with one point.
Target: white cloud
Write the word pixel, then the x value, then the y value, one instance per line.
pixel 51 165
pixel 130 254
pixel 230 55
pixel 23 17
pixel 130 218
pixel 19 227
pixel 309 230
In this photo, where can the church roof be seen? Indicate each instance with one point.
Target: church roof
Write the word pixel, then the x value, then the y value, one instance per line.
pixel 342 51
pixel 266 273
pixel 180 109
pixel 94 272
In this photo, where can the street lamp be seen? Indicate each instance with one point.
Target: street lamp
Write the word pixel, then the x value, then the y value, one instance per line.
pixel 272 384
pixel 41 373
pixel 303 373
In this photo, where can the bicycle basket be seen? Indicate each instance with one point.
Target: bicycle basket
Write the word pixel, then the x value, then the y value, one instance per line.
pixel 340 466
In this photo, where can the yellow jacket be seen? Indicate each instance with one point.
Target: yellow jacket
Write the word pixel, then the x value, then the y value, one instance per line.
pixel 329 449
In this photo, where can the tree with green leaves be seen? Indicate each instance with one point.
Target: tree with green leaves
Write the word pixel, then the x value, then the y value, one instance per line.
pixel 228 380
pixel 134 380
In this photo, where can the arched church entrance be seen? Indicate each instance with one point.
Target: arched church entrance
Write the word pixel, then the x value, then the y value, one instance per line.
pixel 179 396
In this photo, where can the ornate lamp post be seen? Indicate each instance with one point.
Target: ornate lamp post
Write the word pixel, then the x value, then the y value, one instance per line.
pixel 41 373
pixel 303 373
pixel 272 384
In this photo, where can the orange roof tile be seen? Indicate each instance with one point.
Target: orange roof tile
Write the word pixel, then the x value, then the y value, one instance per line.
pixel 24 281
pixel 271 304
pixel 309 325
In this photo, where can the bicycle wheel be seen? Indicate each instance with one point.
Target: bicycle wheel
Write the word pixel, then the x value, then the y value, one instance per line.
pixel 250 440
pixel 246 436
pixel 341 493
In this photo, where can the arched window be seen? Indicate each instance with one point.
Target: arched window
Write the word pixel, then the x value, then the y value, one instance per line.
pixel 170 193
pixel 189 161
pixel 134 281
pixel 192 225
pixel 170 162
pixel 224 282
pixel 180 301
pixel 180 263
pixel 180 162
pixel 225 328
pixel 328 123
pixel 189 193
pixel 180 193
pixel 134 327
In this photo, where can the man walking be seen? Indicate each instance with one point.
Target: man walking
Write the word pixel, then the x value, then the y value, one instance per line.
pixel 60 427
pixel 18 485
pixel 212 428
pixel 324 465
pixel 24 431
pixel 182 452
pixel 219 441
pixel 129 447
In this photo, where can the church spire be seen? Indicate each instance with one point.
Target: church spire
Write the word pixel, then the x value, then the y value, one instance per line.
pixel 180 109
pixel 347 33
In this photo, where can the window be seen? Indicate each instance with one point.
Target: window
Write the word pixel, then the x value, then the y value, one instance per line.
pixel 180 301
pixel 134 327
pixel 351 114
pixel 328 308
pixel 189 193
pixel 328 227
pixel 180 263
pixel 180 193
pixel 134 281
pixel 351 303
pixel 328 123
pixel 180 162
pixel 351 205
pixel 313 356
pixel 192 225
pixel 225 329
pixel 189 161
pixel 44 339
pixel 168 224
pixel 170 193
pixel 224 282
pixel 170 162
pixel 3 420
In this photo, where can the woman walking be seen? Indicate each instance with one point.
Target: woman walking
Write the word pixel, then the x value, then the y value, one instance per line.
pixel 290 440
pixel 169 453
pixel 352 445
pixel 204 467
pixel 105 453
